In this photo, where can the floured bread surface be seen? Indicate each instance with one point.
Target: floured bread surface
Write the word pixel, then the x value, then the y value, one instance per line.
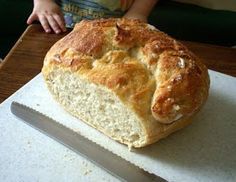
pixel 126 79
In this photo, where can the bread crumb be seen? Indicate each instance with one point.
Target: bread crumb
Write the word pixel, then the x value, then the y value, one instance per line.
pixel 29 144
pixel 86 169
pixel 87 172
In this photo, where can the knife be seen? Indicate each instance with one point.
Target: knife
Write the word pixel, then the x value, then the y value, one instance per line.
pixel 112 163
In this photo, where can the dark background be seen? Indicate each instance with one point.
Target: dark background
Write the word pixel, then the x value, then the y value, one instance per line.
pixel 181 21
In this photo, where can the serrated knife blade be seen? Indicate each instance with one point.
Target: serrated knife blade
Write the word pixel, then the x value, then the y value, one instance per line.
pixel 112 163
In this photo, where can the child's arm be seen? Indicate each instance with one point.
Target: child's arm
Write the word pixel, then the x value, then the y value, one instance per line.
pixel 48 13
pixel 141 9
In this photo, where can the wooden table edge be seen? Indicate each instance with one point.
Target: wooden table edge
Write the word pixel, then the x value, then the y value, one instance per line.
pixel 15 46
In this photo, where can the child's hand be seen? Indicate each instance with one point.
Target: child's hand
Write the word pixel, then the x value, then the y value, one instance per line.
pixel 48 13
pixel 136 16
pixel 140 9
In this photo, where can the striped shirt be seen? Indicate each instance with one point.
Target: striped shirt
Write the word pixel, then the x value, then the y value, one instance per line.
pixel 76 10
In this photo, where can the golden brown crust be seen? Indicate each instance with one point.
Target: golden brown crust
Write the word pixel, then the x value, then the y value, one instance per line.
pixel 153 74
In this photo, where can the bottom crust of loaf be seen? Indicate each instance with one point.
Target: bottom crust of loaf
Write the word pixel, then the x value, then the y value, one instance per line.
pixel 102 109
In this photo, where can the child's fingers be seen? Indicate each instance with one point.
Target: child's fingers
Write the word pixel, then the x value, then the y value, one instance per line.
pixel 32 18
pixel 44 23
pixel 53 23
pixel 60 22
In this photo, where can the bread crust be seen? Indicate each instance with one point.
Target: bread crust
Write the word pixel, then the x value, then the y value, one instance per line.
pixel 154 75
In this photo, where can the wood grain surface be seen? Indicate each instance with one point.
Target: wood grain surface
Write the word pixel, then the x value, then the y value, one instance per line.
pixel 25 59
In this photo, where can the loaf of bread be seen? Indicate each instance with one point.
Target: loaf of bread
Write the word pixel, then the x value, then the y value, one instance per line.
pixel 127 79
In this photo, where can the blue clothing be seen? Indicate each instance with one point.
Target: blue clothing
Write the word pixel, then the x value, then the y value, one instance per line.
pixel 76 10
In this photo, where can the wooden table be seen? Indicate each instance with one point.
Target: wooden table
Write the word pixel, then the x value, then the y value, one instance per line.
pixel 25 59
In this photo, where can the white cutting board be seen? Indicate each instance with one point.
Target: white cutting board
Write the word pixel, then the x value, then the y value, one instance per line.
pixel 204 151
